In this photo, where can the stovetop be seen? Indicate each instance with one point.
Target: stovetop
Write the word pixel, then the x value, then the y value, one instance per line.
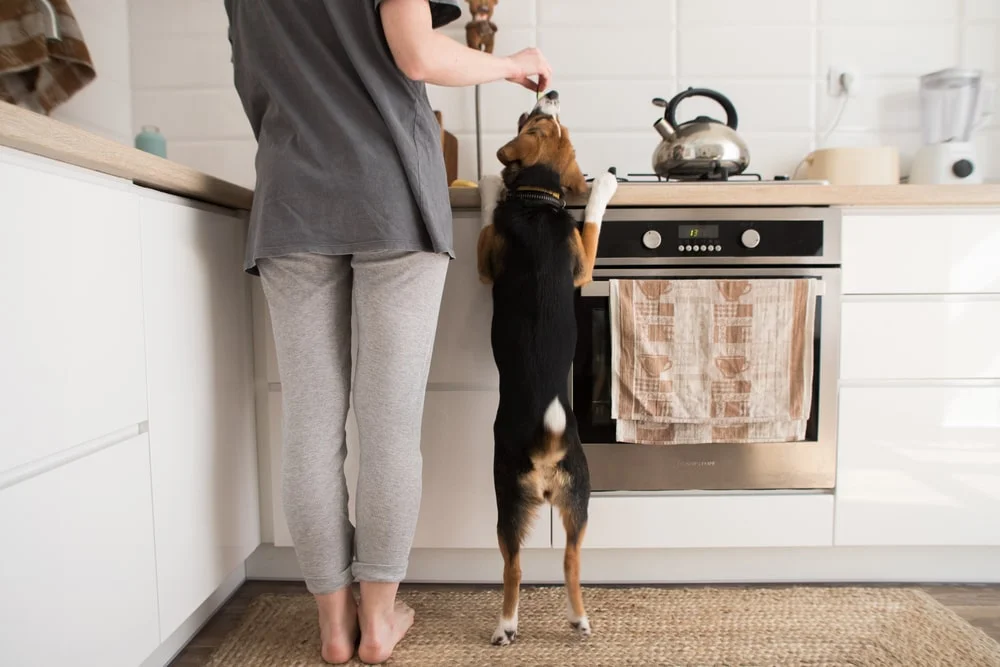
pixel 739 179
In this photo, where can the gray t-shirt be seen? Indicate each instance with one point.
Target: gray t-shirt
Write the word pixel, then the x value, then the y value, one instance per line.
pixel 348 149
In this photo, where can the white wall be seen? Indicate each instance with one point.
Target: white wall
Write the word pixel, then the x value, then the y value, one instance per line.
pixel 182 81
pixel 610 60
pixel 104 106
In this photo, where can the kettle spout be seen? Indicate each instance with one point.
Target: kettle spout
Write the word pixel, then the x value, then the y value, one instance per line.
pixel 664 128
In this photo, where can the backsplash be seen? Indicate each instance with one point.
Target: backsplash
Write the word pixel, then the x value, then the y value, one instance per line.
pixel 105 105
pixel 770 57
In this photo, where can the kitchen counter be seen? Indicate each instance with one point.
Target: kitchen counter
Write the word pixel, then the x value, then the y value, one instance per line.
pixel 784 194
pixel 44 136
pixel 40 135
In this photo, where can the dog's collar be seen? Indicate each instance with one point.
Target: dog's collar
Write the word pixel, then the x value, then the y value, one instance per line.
pixel 531 193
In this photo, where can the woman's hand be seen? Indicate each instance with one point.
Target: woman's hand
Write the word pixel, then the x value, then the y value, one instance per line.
pixel 530 62
pixel 423 54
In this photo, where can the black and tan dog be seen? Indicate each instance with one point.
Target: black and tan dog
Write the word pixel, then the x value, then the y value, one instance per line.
pixel 532 251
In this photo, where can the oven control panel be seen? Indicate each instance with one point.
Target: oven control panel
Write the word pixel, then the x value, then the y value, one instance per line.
pixel 636 237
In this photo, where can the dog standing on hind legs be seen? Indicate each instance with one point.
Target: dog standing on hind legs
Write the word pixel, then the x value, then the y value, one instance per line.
pixel 533 253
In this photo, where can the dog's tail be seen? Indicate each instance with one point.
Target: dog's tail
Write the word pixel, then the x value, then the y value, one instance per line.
pixel 554 422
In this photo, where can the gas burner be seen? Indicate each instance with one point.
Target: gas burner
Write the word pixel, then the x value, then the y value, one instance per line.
pixel 713 178
pixel 640 178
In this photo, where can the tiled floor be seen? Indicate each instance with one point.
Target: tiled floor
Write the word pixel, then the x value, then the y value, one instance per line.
pixel 979 605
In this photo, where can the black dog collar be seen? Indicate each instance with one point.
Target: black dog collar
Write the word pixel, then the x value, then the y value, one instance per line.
pixel 529 193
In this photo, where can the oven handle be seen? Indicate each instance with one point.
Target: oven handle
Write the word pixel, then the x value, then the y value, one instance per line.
pixel 602 288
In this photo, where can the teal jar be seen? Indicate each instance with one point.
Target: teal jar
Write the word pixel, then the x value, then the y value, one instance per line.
pixel 151 141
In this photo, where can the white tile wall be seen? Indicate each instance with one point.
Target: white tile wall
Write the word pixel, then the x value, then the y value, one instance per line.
pixel 104 106
pixel 610 59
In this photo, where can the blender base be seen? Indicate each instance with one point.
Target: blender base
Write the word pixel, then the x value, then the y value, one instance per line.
pixel 952 163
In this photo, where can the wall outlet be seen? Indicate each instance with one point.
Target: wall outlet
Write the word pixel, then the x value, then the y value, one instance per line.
pixel 841 81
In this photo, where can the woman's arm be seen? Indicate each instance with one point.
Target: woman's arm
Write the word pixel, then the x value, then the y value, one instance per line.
pixel 425 55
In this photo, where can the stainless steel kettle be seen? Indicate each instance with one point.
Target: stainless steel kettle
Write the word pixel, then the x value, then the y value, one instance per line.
pixel 699 149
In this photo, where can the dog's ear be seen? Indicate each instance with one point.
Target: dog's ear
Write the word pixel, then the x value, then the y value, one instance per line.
pixel 524 148
pixel 522 120
pixel 573 179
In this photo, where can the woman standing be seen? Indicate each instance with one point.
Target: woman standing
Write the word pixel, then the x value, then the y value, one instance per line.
pixel 351 207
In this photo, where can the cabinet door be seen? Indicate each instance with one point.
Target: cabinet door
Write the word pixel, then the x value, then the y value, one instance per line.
pixel 201 407
pixel 78 580
pixel 921 338
pixel 919 466
pixel 71 351
pixel 458 507
pixel 922 253
pixel 462 352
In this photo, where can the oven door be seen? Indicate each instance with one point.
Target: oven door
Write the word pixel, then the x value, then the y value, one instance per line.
pixel 614 466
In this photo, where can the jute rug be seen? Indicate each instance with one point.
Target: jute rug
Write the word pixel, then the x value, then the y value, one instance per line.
pixel 767 627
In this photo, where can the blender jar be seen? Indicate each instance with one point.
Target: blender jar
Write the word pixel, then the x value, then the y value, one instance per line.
pixel 949 100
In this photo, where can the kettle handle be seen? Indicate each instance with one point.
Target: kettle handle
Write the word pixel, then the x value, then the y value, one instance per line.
pixel 731 119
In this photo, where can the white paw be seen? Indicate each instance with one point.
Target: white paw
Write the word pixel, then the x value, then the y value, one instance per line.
pixel 490 187
pixel 505 633
pixel 581 625
pixel 605 186
pixel 601 191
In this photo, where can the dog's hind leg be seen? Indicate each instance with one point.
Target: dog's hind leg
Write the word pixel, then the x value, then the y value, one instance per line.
pixel 512 525
pixel 507 626
pixel 575 526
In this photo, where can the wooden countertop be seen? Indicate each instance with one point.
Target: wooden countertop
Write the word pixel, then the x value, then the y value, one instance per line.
pixel 40 135
pixel 785 194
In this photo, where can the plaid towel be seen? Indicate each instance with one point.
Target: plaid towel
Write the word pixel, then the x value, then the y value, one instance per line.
pixel 700 361
pixel 35 72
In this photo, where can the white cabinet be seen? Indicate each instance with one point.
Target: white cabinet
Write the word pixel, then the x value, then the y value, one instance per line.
pixel 919 466
pixel 201 405
pixel 699 521
pixel 922 252
pixel 71 345
pixel 462 352
pixel 458 508
pixel 920 337
pixel 78 578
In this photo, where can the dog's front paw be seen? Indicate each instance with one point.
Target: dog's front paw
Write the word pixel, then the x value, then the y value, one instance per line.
pixel 490 187
pixel 605 186
pixel 601 191
pixel 505 633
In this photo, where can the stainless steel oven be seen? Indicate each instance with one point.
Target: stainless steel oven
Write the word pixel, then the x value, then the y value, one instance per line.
pixel 678 243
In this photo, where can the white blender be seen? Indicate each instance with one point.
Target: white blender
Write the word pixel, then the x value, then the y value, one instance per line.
pixel 950 110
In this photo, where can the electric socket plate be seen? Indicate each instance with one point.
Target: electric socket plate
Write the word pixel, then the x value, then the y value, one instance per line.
pixel 835 88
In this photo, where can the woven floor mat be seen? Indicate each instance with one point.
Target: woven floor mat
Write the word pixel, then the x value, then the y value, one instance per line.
pixel 771 627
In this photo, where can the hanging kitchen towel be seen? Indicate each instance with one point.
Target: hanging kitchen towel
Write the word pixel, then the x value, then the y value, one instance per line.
pixel 701 361
pixel 37 72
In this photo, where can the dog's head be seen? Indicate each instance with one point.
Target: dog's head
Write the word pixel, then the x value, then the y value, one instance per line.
pixel 481 10
pixel 542 140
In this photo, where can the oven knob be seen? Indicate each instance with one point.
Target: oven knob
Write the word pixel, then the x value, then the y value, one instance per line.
pixel 652 239
pixel 750 238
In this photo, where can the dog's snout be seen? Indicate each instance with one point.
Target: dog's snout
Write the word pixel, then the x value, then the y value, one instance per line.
pixel 552 95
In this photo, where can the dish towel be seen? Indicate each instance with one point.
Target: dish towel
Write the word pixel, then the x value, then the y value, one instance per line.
pixel 36 72
pixel 706 361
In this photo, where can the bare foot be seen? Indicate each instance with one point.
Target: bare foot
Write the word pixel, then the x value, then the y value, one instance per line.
pixel 338 625
pixel 381 632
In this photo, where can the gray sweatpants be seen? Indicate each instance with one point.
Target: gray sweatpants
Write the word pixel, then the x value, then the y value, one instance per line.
pixel 397 296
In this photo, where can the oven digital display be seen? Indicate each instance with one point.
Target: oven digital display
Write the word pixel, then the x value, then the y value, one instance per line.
pixel 698 231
